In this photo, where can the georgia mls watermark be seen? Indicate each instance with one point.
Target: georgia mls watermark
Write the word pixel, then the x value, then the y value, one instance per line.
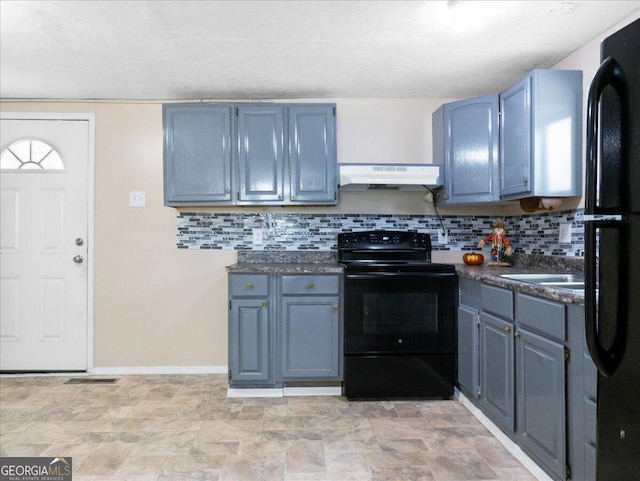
pixel 35 469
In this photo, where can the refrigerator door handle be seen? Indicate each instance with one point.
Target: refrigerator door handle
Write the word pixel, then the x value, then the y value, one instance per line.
pixel 609 74
pixel 606 359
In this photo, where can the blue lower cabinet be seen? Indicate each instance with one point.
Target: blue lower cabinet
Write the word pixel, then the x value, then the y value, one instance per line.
pixel 497 394
pixel 284 328
pixel 309 338
pixel 541 399
pixel 536 382
pixel 250 334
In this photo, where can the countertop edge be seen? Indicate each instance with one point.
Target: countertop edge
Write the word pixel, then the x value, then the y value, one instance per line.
pixel 284 268
pixel 491 275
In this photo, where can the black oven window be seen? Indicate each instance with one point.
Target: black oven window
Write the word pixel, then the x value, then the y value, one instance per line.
pixel 400 313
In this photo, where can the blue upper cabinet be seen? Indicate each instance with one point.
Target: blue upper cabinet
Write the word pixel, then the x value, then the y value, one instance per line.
pixel 465 139
pixel 197 154
pixel 260 153
pixel 249 154
pixel 524 142
pixel 312 154
pixel 541 135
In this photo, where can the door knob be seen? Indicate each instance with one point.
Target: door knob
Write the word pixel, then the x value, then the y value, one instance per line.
pixel 78 259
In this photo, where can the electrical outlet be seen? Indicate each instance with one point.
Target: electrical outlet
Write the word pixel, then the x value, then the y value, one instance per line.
pixel 257 237
pixel 443 236
pixel 564 233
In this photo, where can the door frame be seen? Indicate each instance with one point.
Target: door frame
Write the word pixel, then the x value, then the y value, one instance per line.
pixel 91 162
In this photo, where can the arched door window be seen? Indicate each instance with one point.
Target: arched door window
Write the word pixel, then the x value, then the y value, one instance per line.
pixel 30 154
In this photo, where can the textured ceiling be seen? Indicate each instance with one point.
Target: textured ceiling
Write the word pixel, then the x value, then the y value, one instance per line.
pixel 286 49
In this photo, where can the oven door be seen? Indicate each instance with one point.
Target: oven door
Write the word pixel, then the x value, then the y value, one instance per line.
pixel 399 312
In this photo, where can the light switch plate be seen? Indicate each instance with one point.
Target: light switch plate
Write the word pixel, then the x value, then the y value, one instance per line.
pixel 137 198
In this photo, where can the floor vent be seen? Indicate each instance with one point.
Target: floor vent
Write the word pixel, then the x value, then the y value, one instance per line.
pixel 92 380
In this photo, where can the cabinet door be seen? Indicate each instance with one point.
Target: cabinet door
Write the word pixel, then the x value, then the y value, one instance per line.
pixel 515 139
pixel 260 153
pixel 250 340
pixel 540 374
pixel 471 150
pixel 312 154
pixel 310 337
pixel 468 350
pixel 496 370
pixel 197 154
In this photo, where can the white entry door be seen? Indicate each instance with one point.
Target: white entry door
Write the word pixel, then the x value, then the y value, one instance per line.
pixel 43 248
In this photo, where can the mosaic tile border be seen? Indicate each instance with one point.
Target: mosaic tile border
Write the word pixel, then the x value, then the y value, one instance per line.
pixel 529 234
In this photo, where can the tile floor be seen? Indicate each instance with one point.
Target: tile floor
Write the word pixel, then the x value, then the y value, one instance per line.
pixel 183 427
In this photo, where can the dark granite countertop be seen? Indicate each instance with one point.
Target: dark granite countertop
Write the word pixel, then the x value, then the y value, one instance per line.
pixel 325 262
pixel 286 262
pixel 491 275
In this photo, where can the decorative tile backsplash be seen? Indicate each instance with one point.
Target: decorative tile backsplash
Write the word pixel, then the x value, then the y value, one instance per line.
pixel 528 234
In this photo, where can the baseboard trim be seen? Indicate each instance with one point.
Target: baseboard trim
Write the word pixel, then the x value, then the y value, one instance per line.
pixel 509 445
pixel 254 392
pixel 124 370
pixel 285 391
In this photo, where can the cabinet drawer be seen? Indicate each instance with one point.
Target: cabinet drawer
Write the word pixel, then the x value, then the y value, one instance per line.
pixel 248 285
pixel 498 301
pixel 312 284
pixel 542 316
pixel 470 292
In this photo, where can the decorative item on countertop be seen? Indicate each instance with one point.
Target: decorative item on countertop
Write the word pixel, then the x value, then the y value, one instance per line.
pixel 500 246
pixel 473 258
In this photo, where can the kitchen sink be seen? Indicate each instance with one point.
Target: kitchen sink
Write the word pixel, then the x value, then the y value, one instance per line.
pixel 545 278
pixel 568 282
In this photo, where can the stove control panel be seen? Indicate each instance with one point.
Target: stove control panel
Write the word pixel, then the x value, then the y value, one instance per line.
pixel 392 240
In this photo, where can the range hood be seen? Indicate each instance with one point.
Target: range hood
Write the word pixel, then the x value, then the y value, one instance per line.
pixel 389 176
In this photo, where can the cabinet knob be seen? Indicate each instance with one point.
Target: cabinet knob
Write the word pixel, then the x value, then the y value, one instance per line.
pixel 525 180
pixel 310 285
pixel 516 334
pixel 227 191
pixel 335 307
pixel 249 285
pixel 293 197
pixel 265 303
pixel 446 196
pixel 507 329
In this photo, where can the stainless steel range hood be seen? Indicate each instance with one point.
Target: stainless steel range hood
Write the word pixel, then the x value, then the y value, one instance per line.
pixel 389 176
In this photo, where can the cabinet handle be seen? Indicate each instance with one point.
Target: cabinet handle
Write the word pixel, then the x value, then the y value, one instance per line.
pixel 516 334
pixel 335 307
pixel 264 303
pixel 507 329
pixel 249 285
pixel 310 285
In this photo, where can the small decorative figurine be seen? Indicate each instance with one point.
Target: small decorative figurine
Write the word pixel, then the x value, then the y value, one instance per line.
pixel 500 245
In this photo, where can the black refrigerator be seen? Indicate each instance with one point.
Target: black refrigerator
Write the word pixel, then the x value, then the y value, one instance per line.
pixel 612 252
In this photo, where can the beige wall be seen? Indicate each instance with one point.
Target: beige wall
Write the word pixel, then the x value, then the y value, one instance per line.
pixel 156 305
